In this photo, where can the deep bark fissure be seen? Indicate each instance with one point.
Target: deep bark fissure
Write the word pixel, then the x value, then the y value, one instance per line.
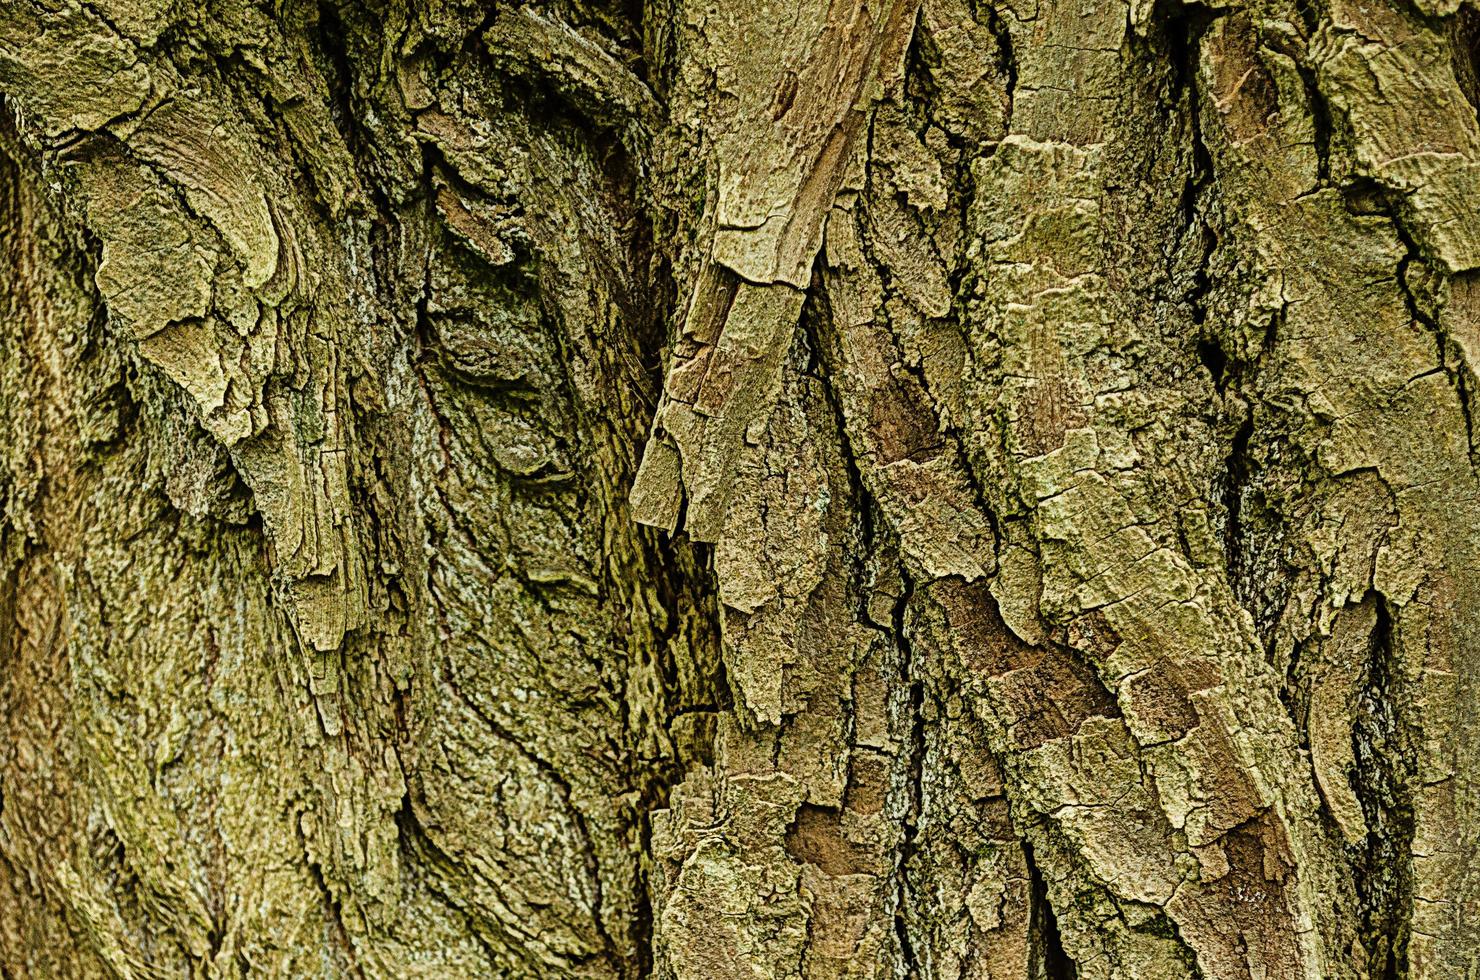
pixel 1007 57
pixel 1466 40
pixel 1419 282
pixel 1381 779
pixel 910 964
pixel 824 350
pixel 1237 473
pixel 339 75
pixel 413 839
pixel 1052 961
pixel 336 911
pixel 1320 114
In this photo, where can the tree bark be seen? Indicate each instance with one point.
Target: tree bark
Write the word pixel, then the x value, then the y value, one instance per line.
pixel 718 489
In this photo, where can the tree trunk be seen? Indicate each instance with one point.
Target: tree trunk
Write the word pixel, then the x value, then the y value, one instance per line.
pixel 889 488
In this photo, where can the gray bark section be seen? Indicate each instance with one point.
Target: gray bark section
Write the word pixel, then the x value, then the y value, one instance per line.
pixel 724 490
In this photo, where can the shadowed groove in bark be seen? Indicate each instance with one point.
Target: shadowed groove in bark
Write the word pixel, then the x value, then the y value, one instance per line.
pixel 1251 532
pixel 338 74
pixel 1051 961
pixel 1236 476
pixel 1233 377
pixel 1465 34
pixel 904 895
pixel 908 693
pixel 1382 779
pixel 413 840
pixel 1005 54
pixel 343 946
pixel 1184 27
pixel 677 591
pixel 1420 283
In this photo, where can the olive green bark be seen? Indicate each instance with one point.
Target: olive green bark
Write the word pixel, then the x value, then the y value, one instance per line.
pixel 717 489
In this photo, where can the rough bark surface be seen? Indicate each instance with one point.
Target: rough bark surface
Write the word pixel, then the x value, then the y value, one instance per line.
pixel 731 489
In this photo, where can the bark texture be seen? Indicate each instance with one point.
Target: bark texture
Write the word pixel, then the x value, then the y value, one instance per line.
pixel 732 489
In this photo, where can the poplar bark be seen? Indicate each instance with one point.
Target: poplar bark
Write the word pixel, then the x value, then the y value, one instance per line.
pixel 732 489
